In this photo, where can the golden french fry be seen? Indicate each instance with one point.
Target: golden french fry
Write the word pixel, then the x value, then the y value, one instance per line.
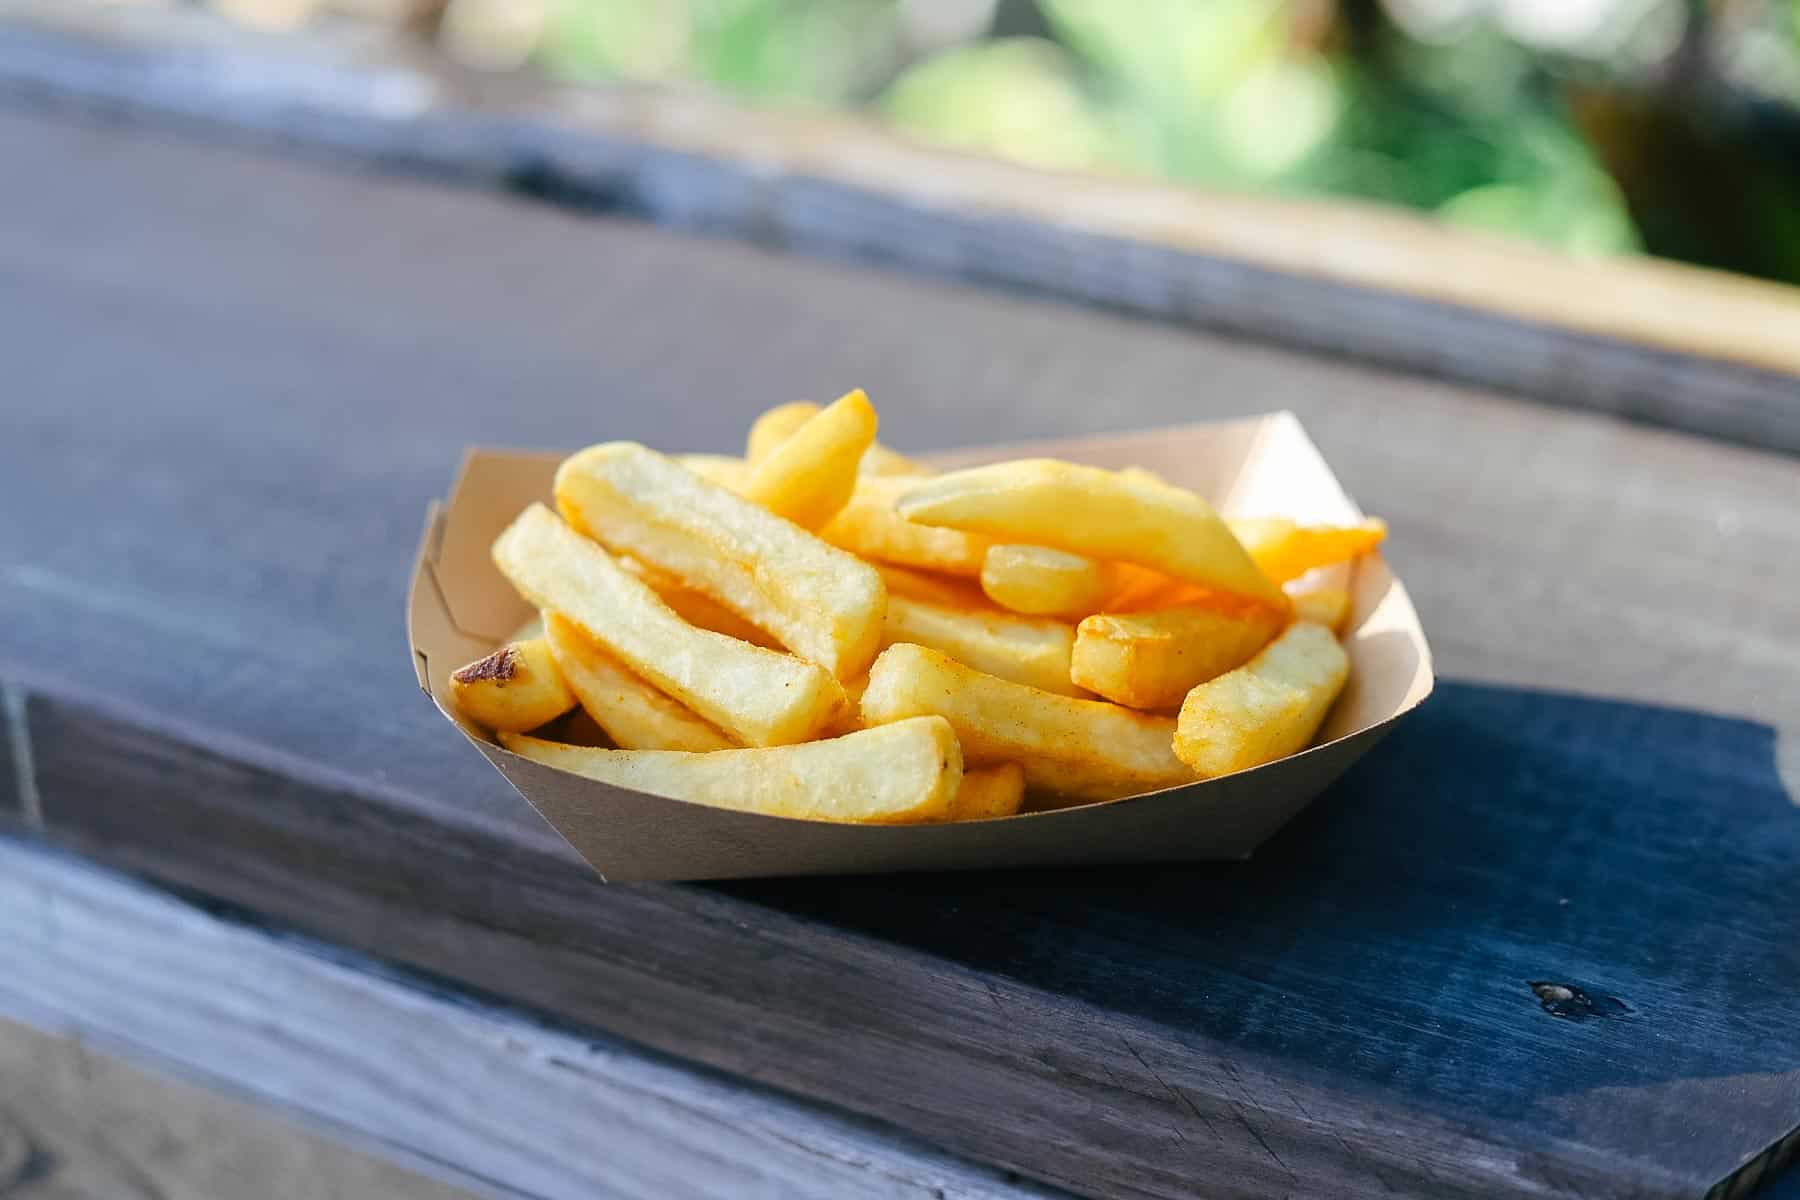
pixel 997 791
pixel 1322 596
pixel 869 526
pixel 1093 512
pixel 1153 659
pixel 1268 708
pixel 811 474
pixel 723 469
pixel 1044 582
pixel 849 718
pixel 819 602
pixel 903 772
pixel 1285 550
pixel 930 587
pixel 1028 650
pixel 758 696
pixel 696 608
pixel 515 688
pixel 775 427
pixel 1085 748
pixel 879 460
pixel 634 713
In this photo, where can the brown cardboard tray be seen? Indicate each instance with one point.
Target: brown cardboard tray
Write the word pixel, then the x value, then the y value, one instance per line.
pixel 459 608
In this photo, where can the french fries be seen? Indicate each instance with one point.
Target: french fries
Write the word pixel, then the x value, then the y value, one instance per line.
pixel 1027 650
pixel 758 696
pixel 696 608
pixel 1322 596
pixel 869 526
pixel 985 792
pixel 1043 582
pixel 1087 749
pixel 1152 659
pixel 904 772
pixel 809 476
pixel 932 588
pixel 1096 513
pixel 1268 708
pixel 634 714
pixel 784 420
pixel 821 603
pixel 1285 550
pixel 515 688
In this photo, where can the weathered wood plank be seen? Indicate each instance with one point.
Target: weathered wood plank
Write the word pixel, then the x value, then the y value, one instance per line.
pixel 1654 341
pixel 266 397
pixel 78 1123
pixel 489 1099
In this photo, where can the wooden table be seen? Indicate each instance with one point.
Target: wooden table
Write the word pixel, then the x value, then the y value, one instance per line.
pixel 235 378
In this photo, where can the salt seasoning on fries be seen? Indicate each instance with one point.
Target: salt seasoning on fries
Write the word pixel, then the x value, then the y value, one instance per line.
pixel 759 696
pixel 987 792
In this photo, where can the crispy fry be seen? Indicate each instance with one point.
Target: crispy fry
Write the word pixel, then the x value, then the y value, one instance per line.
pixel 1043 582
pixel 725 470
pixel 1029 650
pixel 1285 550
pixel 870 527
pixel 776 426
pixel 696 608
pixel 759 696
pixel 849 718
pixel 997 791
pixel 1093 512
pixel 930 587
pixel 1267 708
pixel 1152 659
pixel 515 688
pixel 809 476
pixel 634 713
pixel 903 772
pixel 1087 748
pixel 819 602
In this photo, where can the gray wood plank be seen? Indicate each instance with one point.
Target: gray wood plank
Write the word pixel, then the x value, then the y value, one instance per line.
pixel 242 387
pixel 75 1122
pixel 1655 342
pixel 500 1104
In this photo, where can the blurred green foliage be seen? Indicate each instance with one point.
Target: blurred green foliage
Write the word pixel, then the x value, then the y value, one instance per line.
pixel 1570 122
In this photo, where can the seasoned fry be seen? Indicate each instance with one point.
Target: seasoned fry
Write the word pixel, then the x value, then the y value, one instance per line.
pixel 1101 514
pixel 870 527
pixel 1267 708
pixel 1043 582
pixel 819 602
pixel 758 696
pixel 930 587
pixel 1028 650
pixel 635 715
pixel 904 772
pixel 997 791
pixel 809 476
pixel 515 688
pixel 1087 748
pixel 1152 659
pixel 1285 550
pixel 723 469
pixel 775 427
pixel 696 608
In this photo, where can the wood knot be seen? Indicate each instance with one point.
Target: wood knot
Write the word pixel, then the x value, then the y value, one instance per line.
pixel 1574 1003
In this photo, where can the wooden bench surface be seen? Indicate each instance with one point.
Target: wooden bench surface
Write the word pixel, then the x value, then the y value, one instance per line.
pixel 235 380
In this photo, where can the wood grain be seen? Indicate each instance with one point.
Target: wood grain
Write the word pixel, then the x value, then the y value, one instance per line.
pixel 1655 341
pixel 76 1122
pixel 489 1099
pixel 279 364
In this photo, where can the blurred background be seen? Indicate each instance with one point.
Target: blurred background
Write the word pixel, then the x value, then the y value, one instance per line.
pixel 1596 127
